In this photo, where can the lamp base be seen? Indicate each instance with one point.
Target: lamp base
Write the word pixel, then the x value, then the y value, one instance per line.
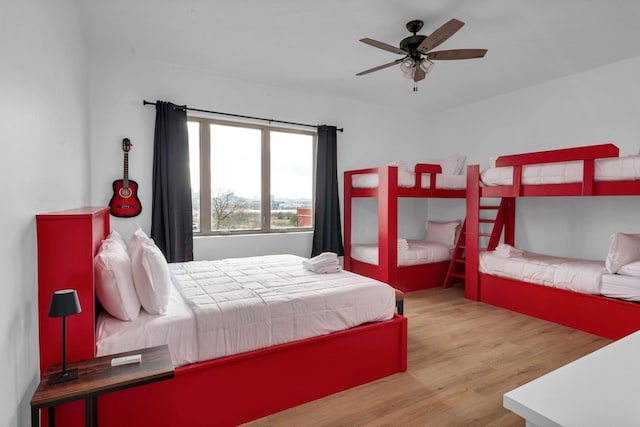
pixel 71 374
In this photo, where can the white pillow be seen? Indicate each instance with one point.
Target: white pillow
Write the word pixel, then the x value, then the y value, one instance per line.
pixel 624 249
pixel 151 277
pixel 114 282
pixel 631 269
pixel 116 237
pixel 442 232
pixel 137 238
pixel 451 165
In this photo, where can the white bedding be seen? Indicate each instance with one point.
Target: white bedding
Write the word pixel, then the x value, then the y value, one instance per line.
pixel 177 328
pixel 419 252
pixel 237 305
pixel 408 180
pixel 566 273
pixel 621 287
pixel 608 169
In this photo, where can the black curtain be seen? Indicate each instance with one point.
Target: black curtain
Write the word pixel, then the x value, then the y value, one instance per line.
pixel 327 235
pixel 171 216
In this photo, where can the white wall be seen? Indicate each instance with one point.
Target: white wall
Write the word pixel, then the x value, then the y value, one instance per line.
pixel 594 107
pixel 597 106
pixel 119 83
pixel 43 165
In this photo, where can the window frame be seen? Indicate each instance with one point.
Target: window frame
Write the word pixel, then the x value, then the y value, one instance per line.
pixel 265 175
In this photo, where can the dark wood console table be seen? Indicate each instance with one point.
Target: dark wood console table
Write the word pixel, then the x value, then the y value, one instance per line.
pixel 97 376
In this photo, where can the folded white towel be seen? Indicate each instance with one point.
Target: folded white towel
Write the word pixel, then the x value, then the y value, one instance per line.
pixel 326 262
pixel 507 251
pixel 332 256
pixel 310 264
pixel 403 244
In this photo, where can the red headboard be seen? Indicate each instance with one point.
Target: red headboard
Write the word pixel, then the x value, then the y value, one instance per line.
pixel 67 242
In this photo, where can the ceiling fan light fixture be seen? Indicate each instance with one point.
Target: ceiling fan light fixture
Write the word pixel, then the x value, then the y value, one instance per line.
pixel 406 66
pixel 427 65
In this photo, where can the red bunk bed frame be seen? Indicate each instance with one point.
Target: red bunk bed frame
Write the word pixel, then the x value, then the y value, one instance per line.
pixel 404 278
pixel 606 317
pixel 222 392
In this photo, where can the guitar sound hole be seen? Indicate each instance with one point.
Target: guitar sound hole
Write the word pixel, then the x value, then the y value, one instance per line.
pixel 125 193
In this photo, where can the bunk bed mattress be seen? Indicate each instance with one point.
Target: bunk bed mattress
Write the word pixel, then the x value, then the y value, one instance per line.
pixel 621 287
pixel 608 169
pixel 558 272
pixel 447 182
pixel 237 305
pixel 419 252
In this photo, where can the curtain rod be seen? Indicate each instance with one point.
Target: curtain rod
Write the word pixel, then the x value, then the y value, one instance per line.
pixel 145 102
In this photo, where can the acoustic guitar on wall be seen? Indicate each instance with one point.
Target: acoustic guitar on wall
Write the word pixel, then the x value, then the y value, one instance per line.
pixel 124 202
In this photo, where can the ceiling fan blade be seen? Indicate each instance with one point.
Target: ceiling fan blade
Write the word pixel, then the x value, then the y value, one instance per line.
pixel 384 46
pixel 380 67
pixel 456 54
pixel 440 35
pixel 419 74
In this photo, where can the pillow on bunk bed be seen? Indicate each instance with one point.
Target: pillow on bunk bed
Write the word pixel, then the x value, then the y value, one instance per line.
pixel 452 165
pixel 442 232
pixel 624 249
pixel 151 277
pixel 631 269
pixel 114 282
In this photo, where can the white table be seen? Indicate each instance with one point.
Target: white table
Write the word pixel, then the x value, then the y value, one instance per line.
pixel 599 389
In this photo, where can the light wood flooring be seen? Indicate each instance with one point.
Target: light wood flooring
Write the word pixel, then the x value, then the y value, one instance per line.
pixel 462 357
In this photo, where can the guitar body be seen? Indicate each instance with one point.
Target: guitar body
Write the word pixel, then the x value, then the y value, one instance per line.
pixel 125 202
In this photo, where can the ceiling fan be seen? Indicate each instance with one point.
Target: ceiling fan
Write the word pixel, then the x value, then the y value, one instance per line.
pixel 417 58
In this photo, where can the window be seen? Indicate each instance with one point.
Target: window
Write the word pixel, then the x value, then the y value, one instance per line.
pixel 250 178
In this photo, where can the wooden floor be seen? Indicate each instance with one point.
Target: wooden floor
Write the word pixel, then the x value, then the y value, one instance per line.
pixel 463 356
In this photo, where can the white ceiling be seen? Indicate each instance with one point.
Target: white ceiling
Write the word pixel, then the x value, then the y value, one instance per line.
pixel 313 46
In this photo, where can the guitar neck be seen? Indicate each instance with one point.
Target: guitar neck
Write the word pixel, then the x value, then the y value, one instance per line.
pixel 125 179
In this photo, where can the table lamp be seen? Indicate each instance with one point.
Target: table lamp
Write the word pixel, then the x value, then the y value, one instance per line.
pixel 64 303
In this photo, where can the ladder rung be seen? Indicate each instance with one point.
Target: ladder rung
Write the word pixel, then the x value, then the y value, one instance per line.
pixel 493 207
pixel 460 276
pixel 459 260
pixel 487 220
pixel 484 234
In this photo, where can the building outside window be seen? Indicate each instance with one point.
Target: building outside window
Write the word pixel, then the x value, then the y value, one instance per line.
pixel 248 178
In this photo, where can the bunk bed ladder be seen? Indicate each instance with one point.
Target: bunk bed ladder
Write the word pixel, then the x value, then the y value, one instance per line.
pixel 500 223
pixel 455 271
pixel 495 221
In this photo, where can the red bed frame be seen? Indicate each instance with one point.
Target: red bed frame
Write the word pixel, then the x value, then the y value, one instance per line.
pixel 606 317
pixel 404 278
pixel 221 392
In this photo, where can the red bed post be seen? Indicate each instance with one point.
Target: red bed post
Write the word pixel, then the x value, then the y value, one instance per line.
pixel 347 220
pixel 509 204
pixel 471 287
pixel 388 223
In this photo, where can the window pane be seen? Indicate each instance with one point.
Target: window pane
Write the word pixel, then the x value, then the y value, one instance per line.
pixel 291 180
pixel 235 178
pixel 194 164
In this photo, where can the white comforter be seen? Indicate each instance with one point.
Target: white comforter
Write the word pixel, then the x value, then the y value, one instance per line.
pixel 609 169
pixel 566 273
pixel 245 304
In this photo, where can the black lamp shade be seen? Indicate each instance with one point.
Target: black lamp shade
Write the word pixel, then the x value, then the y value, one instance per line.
pixel 64 303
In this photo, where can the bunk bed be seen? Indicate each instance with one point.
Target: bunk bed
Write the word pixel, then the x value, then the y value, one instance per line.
pixel 388 184
pixel 491 206
pixel 224 391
